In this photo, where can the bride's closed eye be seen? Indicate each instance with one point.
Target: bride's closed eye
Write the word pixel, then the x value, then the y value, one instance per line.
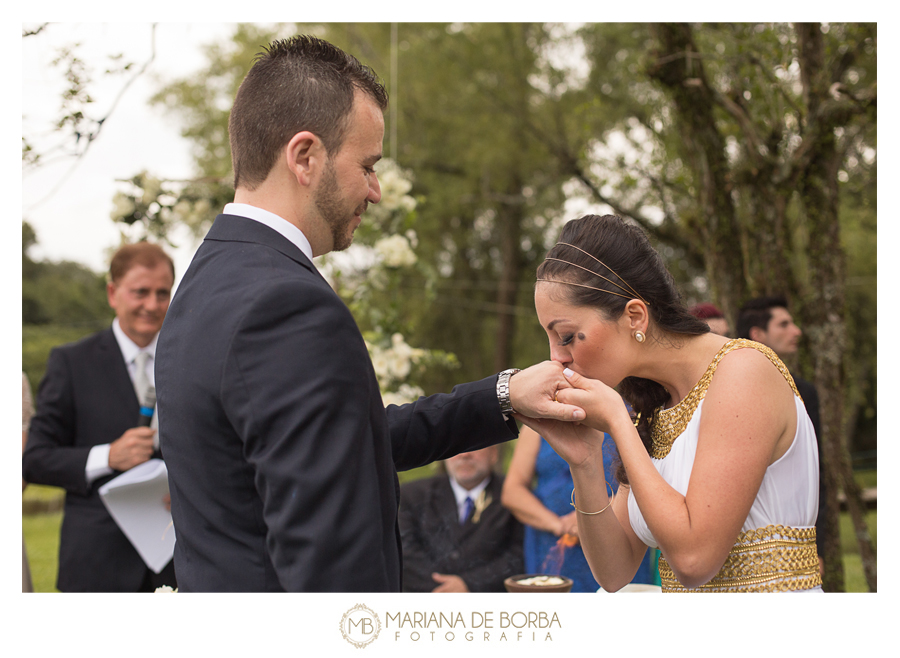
pixel 566 339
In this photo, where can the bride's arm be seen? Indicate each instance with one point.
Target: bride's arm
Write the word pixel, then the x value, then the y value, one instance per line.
pixel 611 547
pixel 737 442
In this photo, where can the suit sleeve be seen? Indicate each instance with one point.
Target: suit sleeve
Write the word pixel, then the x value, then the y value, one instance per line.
pixel 51 456
pixel 445 424
pixel 305 423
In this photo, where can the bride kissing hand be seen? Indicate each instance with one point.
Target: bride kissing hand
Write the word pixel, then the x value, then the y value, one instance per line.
pixel 533 393
pixel 604 408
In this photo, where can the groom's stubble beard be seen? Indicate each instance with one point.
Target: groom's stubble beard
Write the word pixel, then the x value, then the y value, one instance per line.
pixel 332 208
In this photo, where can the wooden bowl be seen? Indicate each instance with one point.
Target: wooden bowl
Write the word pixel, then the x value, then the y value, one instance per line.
pixel 555 584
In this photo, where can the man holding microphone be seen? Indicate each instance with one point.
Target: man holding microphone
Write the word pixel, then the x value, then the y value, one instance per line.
pixel 94 419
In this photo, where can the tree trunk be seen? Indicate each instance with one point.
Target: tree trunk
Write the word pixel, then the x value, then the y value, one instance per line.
pixel 825 325
pixel 678 68
pixel 509 226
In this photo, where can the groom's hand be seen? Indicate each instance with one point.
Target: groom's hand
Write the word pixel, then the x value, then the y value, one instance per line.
pixel 532 393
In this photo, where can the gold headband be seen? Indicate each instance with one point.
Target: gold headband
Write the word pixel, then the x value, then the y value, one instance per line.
pixel 627 288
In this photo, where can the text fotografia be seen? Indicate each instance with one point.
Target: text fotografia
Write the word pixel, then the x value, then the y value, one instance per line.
pixel 478 626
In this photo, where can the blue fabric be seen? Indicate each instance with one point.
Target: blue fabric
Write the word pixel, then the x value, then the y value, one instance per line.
pixel 554 490
pixel 469 507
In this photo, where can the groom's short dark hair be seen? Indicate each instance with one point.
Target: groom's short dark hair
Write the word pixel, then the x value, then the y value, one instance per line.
pixel 296 84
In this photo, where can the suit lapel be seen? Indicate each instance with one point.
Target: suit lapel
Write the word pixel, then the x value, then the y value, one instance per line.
pixel 111 363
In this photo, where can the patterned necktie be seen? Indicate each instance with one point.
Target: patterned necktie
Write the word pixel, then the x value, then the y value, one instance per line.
pixel 141 381
pixel 468 508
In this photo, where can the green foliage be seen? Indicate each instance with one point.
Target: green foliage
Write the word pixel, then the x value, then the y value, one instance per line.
pixel 502 127
pixel 38 340
pixel 76 124
pixel 64 292
pixel 61 302
pixel 150 206
pixel 468 125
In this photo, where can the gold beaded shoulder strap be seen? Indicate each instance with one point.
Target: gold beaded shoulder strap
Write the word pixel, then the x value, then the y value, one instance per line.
pixel 668 424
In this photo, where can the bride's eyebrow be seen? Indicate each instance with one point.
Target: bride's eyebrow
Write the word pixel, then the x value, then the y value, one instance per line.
pixel 553 323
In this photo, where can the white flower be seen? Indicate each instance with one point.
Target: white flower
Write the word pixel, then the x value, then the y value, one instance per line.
pixel 398 365
pixel 395 251
pixel 404 395
pixel 380 363
pixel 395 185
pixel 165 589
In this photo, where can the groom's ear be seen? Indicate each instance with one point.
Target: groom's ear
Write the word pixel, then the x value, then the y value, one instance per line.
pixel 305 155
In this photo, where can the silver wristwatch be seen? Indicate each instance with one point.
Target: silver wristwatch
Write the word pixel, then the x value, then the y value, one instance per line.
pixel 506 407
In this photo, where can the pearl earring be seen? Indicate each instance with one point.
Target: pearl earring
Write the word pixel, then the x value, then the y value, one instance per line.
pixel 639 336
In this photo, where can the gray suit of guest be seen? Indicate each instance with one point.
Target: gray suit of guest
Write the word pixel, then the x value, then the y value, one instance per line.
pixel 281 455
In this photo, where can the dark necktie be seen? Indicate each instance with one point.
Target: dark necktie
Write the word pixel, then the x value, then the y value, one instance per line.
pixel 468 508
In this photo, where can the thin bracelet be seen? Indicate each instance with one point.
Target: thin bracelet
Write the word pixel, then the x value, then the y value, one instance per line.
pixel 611 498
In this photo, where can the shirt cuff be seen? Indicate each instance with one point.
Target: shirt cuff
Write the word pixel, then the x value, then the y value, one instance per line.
pixel 97 463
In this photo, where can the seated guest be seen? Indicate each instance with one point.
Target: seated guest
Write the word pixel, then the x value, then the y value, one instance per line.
pixel 713 317
pixel 456 535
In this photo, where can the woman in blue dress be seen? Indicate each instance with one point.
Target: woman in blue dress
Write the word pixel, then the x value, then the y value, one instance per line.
pixel 547 514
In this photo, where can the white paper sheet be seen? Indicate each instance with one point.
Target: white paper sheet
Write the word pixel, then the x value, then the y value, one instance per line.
pixel 135 501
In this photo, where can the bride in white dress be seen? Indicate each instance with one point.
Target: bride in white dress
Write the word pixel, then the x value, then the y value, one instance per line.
pixel 719 457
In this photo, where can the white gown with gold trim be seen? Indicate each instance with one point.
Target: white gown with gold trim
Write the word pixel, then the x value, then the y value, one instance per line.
pixel 776 548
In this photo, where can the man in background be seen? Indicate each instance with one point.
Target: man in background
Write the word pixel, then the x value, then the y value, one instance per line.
pixel 713 316
pixel 766 320
pixel 456 535
pixel 88 427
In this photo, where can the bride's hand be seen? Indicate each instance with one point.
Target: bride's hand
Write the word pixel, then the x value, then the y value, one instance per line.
pixel 576 443
pixel 603 405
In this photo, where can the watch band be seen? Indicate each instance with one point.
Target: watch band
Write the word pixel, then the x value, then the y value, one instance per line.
pixel 506 407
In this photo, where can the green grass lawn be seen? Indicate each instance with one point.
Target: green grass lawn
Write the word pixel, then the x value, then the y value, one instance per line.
pixel 854 577
pixel 41 533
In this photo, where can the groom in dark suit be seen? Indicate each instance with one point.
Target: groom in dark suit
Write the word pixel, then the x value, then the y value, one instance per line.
pixel 280 452
pixel 86 428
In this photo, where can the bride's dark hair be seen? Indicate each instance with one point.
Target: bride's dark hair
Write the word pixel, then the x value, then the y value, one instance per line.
pixel 630 265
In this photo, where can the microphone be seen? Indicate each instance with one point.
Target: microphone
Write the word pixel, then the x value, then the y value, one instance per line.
pixel 147 407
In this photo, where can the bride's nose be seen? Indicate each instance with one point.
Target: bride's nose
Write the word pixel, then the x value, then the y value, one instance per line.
pixel 560 355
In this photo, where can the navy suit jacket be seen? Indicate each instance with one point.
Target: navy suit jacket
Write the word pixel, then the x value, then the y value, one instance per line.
pixel 282 458
pixel 483 551
pixel 86 398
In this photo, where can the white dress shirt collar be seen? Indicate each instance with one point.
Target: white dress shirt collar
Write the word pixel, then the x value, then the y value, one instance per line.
pixel 274 222
pixel 461 493
pixel 128 347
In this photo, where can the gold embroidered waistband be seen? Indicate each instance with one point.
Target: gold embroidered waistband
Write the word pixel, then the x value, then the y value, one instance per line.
pixel 772 559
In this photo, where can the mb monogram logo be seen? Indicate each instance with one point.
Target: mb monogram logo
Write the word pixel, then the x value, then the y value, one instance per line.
pixel 360 626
